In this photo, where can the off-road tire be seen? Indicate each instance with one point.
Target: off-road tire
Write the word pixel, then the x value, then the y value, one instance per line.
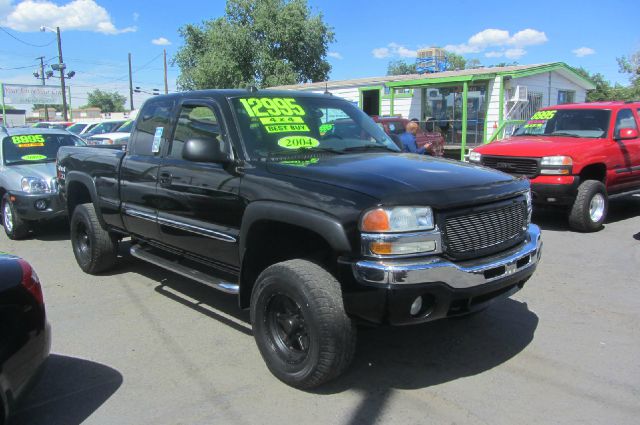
pixel 95 248
pixel 331 334
pixel 580 218
pixel 19 228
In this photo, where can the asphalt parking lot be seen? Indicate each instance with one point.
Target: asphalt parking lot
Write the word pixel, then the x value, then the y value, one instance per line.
pixel 143 346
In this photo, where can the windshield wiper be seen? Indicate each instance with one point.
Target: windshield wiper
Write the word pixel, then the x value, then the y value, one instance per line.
pixel 367 147
pixel 559 133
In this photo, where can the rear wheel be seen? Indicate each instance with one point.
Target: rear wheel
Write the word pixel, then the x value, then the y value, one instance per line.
pixel 14 226
pixel 589 210
pixel 299 324
pixel 95 248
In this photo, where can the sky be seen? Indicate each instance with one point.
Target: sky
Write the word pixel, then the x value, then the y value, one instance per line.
pixel 97 36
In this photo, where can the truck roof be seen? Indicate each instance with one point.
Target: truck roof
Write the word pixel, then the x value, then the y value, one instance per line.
pixel 217 93
pixel 611 104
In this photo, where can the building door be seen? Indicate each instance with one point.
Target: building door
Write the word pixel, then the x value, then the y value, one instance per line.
pixel 370 101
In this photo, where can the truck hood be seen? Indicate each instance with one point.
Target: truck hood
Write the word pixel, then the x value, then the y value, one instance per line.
pixel 536 146
pixel 405 178
pixel 13 174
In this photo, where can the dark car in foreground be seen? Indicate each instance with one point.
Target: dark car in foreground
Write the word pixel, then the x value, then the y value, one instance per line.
pixel 25 336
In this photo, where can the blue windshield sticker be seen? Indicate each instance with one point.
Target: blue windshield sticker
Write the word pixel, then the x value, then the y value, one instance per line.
pixel 157 137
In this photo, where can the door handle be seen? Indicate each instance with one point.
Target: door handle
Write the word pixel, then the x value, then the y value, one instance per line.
pixel 165 179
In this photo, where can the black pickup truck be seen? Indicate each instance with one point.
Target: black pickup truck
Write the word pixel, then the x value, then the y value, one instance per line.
pixel 314 226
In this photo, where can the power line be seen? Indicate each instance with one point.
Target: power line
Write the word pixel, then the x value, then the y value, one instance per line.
pixel 26 42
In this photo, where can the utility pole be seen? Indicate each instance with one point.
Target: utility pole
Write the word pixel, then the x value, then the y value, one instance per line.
pixel 43 78
pixel 166 86
pixel 130 85
pixel 62 67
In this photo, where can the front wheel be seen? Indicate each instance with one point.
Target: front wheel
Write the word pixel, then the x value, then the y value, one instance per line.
pixel 589 210
pixel 300 325
pixel 95 248
pixel 14 226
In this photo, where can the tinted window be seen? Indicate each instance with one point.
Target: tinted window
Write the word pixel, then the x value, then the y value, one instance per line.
pixel 34 148
pixel 587 123
pixel 195 122
pixel 152 123
pixel 299 125
pixel 624 119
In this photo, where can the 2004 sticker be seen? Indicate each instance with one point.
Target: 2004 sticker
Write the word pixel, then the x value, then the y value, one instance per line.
pixel 34 157
pixel 298 142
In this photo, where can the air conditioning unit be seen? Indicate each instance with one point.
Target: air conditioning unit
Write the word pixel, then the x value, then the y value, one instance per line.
pixel 519 94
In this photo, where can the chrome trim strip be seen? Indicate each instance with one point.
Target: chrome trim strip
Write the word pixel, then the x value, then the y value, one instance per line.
pixel 139 214
pixel 461 275
pixel 196 229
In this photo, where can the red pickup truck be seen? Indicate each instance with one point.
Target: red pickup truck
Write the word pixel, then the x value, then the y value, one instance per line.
pixel 577 156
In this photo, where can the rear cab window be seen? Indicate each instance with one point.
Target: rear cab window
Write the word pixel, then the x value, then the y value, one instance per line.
pixel 152 127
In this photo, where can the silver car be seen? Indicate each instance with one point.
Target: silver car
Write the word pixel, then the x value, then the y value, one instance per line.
pixel 28 176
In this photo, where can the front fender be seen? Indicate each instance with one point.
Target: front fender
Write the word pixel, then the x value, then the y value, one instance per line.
pixel 314 220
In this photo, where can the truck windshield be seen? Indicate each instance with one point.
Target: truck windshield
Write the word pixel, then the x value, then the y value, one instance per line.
pixel 581 123
pixel 294 125
pixel 34 148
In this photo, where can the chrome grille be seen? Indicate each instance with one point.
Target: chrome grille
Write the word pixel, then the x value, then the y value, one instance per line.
pixel 480 231
pixel 518 166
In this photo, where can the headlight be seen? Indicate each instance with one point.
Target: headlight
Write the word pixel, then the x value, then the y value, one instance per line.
pixel 399 231
pixel 397 219
pixel 475 156
pixel 557 165
pixel 34 185
pixel 527 196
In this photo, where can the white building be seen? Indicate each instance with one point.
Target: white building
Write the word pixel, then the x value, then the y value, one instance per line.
pixel 469 106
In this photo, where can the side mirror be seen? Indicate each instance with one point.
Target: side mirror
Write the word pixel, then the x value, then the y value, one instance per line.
pixel 204 150
pixel 627 133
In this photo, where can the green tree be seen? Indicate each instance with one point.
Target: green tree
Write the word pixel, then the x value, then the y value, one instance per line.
pixel 604 89
pixel 37 106
pixel 401 67
pixel 631 66
pixel 106 101
pixel 455 62
pixel 257 42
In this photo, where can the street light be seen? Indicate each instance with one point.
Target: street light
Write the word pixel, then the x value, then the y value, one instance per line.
pixel 60 66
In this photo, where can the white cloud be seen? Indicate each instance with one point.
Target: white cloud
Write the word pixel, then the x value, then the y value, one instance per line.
pixel 583 51
pixel 135 16
pixel 489 37
pixel 160 41
pixel 493 37
pixel 334 55
pixel 84 15
pixel 494 54
pixel 528 37
pixel 381 53
pixel 393 50
pixel 515 53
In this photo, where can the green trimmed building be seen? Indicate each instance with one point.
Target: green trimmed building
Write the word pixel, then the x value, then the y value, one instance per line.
pixel 470 106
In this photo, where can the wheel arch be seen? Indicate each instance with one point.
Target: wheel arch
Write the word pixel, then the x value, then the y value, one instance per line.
pixel 81 189
pixel 272 232
pixel 596 171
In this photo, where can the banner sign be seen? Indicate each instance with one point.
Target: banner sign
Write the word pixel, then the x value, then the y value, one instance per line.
pixel 20 94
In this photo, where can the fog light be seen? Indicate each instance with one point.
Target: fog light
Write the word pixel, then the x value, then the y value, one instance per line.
pixel 416 306
pixel 41 204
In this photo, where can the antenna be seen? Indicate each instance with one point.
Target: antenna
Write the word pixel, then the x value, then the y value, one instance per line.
pixel 326 89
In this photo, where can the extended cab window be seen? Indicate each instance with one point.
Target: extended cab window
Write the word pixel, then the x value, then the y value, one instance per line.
pixel 152 127
pixel 624 119
pixel 195 122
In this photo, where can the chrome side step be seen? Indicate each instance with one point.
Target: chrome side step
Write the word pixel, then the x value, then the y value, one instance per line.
pixel 145 255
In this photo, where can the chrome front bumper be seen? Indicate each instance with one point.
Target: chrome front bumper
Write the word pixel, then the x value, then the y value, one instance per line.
pixel 461 275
